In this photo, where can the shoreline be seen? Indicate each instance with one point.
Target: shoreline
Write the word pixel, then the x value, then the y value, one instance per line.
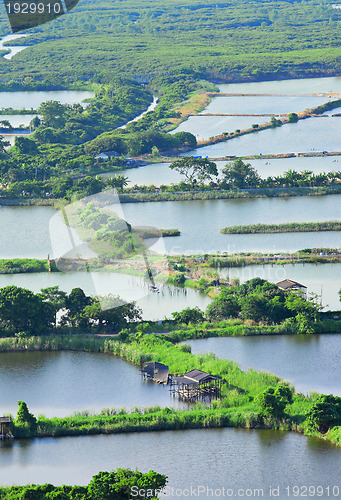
pixel 58 203
pixel 245 415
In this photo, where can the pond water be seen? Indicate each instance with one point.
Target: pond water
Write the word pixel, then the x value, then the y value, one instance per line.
pixel 310 362
pixel 17 120
pixel 321 279
pixel 160 173
pixel 58 383
pixel 204 127
pixel 287 87
pixel 313 134
pixel 200 223
pixel 224 458
pixel 28 234
pixel 263 104
pixel 33 98
pixel 155 306
pixel 13 50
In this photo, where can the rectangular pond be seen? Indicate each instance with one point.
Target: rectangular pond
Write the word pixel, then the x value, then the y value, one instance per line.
pixel 233 459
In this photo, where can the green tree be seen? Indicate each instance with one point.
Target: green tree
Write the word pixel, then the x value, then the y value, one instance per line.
pixel 273 401
pixel 195 169
pixel 23 311
pixel 53 113
pixel 186 139
pixel 275 122
pixel 25 146
pixel 189 315
pixel 255 307
pixel 325 413
pixel 75 303
pixel 117 485
pixel 292 118
pixel 55 297
pixel 118 181
pixel 240 175
pixel 25 422
pixel 111 313
pixel 35 122
pixel 3 145
pixel 224 306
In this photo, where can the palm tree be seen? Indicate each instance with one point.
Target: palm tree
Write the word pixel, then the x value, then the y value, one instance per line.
pixel 118 181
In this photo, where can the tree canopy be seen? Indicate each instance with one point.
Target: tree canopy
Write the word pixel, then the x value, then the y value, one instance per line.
pixel 195 169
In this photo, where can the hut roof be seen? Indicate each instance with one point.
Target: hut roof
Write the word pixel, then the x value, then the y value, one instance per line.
pixel 5 420
pixel 185 381
pixel 156 371
pixel 287 284
pixel 200 376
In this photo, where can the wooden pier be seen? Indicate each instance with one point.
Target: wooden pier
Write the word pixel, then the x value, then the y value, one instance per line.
pixel 5 423
pixel 196 385
pixel 157 372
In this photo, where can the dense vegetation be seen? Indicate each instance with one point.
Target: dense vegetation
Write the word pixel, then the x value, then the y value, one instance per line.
pixel 23 312
pixel 55 159
pixel 17 266
pixel 256 301
pixel 114 485
pixel 238 40
pixel 289 227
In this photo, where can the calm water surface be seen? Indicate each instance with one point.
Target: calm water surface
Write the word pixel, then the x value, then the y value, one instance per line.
pixel 287 87
pixel 200 223
pixel 160 173
pixel 155 306
pixel 322 279
pixel 224 458
pixel 263 104
pixel 204 127
pixel 33 99
pixel 17 120
pixel 310 362
pixel 313 134
pixel 58 383
pixel 12 49
pixel 28 234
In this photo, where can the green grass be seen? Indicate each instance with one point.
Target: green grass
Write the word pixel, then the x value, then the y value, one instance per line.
pixel 237 407
pixel 292 227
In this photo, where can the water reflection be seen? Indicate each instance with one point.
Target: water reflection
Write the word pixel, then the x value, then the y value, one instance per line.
pixel 58 383
pixel 229 458
pixel 310 362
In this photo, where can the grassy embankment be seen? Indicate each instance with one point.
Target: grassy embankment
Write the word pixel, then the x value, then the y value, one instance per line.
pixel 205 267
pixel 18 266
pixel 292 227
pixel 230 194
pixel 188 196
pixel 237 408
